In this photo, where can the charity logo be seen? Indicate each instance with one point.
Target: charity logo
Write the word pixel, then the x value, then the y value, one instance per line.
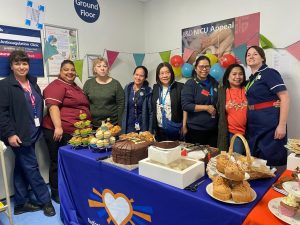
pixel 118 208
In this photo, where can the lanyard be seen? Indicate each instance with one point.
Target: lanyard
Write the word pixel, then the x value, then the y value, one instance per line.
pixel 135 101
pixel 27 88
pixel 162 98
pixel 250 83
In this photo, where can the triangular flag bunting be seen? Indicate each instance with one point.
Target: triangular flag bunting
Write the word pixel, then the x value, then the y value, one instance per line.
pixel 294 50
pixel 138 58
pixel 240 52
pixel 111 57
pixel 49 51
pixel 187 54
pixel 264 42
pixel 165 56
pixel 78 67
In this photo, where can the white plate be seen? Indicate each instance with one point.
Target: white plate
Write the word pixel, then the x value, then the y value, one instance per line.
pixel 273 206
pixel 292 187
pixel 209 190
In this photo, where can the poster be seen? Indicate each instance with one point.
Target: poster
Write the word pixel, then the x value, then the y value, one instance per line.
pixel 221 37
pixel 60 43
pixel 15 38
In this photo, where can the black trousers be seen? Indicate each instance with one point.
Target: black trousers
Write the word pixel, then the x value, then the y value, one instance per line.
pixel 53 147
pixel 202 137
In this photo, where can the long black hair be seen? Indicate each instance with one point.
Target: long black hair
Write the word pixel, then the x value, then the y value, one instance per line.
pixel 228 71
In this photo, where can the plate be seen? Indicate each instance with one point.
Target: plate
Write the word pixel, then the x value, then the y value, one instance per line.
pixel 292 187
pixel 273 206
pixel 209 190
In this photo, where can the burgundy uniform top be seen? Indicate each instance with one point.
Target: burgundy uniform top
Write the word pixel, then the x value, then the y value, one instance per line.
pixel 71 101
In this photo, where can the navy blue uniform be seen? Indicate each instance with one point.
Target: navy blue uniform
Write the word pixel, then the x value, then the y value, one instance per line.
pixel 263 86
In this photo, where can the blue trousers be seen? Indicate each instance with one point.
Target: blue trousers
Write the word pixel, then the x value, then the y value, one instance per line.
pixel 26 172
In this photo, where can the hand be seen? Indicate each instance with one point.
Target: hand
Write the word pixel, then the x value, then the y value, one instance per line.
pixel 211 110
pixel 280 132
pixel 184 130
pixel 58 132
pixel 14 141
pixel 277 104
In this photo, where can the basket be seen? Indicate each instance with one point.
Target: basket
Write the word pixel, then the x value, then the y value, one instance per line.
pixel 255 172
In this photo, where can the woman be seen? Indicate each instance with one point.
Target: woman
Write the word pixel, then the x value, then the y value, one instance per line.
pixel 137 115
pixel 199 98
pixel 105 94
pixel 166 104
pixel 266 123
pixel 21 110
pixel 232 108
pixel 64 101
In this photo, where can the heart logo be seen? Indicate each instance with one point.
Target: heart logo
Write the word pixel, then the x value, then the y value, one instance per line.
pixel 118 207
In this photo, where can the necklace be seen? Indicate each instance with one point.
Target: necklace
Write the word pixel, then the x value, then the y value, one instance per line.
pixel 238 103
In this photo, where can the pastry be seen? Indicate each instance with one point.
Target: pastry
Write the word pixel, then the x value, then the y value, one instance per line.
pixel 222 161
pixel 221 189
pixel 234 172
pixel 241 192
pixel 288 206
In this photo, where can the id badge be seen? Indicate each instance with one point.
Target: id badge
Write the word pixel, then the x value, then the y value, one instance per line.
pixel 137 126
pixel 37 122
pixel 205 92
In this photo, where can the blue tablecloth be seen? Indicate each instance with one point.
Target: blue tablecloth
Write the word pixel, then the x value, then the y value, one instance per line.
pixel 95 192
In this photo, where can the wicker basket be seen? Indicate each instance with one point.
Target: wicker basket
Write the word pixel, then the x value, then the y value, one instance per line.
pixel 255 172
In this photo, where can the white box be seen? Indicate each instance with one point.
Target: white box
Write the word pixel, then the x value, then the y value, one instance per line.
pixel 164 156
pixel 293 162
pixel 177 178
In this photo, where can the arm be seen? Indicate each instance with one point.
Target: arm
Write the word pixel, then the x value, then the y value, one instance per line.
pixel 55 117
pixel 184 128
pixel 280 131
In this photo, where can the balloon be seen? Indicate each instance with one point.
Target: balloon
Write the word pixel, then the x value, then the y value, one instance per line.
pixel 187 70
pixel 217 71
pixel 176 61
pixel 177 71
pixel 226 60
pixel 212 58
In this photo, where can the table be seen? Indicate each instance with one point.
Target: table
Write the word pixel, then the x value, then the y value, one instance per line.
pixel 95 192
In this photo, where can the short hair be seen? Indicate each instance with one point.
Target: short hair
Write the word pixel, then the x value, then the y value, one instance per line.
pixel 99 60
pixel 18 56
pixel 66 61
pixel 259 50
pixel 228 71
pixel 161 65
pixel 143 68
pixel 200 58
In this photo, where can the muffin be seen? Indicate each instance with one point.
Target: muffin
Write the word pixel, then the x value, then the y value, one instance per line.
pixel 241 192
pixel 234 172
pixel 221 189
pixel 222 161
pixel 288 206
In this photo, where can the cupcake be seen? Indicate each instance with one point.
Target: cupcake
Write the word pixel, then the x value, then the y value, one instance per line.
pixel 288 206
pixel 99 134
pixel 100 143
pixel 107 134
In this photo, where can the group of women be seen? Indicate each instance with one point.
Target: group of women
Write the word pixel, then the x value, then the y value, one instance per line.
pixel 199 111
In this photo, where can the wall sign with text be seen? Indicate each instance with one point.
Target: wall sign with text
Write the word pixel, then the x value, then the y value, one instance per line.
pixel 87 10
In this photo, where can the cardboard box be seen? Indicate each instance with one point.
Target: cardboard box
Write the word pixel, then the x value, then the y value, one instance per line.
pixel 164 156
pixel 293 161
pixel 177 178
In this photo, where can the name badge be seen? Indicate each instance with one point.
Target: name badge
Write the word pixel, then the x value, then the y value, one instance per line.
pixel 37 122
pixel 205 92
pixel 137 126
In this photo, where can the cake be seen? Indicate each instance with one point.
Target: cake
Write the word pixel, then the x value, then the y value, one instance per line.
pixel 288 206
pixel 166 144
pixel 241 192
pixel 130 152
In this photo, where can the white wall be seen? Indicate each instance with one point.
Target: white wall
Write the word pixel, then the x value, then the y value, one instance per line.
pixel 154 26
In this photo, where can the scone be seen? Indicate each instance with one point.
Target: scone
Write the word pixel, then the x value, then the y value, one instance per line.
pixel 234 172
pixel 221 189
pixel 222 161
pixel 241 192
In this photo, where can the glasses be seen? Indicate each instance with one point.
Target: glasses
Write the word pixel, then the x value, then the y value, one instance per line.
pixel 202 67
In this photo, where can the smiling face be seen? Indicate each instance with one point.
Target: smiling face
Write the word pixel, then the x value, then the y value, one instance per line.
pixel 68 73
pixel 202 69
pixel 165 76
pixel 101 69
pixel 254 59
pixel 236 77
pixel 139 77
pixel 20 69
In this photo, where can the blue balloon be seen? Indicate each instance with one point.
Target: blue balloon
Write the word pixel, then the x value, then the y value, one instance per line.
pixel 187 70
pixel 217 71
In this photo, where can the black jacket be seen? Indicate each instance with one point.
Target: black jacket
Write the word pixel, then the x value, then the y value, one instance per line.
pixel 175 95
pixel 13 110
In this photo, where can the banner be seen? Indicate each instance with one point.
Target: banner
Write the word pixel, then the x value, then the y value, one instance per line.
pixel 15 38
pixel 221 37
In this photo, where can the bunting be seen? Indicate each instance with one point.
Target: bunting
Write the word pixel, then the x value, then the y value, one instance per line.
pixel 49 51
pixel 165 56
pixel 187 54
pixel 111 57
pixel 138 58
pixel 78 67
pixel 294 50
pixel 240 52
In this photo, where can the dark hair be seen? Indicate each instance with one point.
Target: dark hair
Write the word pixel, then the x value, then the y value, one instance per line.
pixel 144 68
pixel 161 65
pixel 228 71
pixel 66 61
pixel 18 56
pixel 259 50
pixel 200 58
